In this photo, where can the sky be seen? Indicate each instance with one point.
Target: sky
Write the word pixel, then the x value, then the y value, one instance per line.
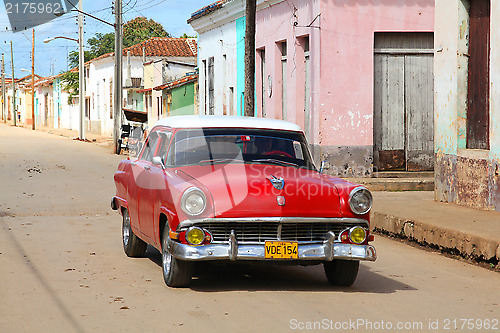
pixel 51 58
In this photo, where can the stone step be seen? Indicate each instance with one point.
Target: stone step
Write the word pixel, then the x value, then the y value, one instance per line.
pixel 403 174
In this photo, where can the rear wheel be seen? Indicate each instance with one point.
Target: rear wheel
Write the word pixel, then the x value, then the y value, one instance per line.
pixel 176 273
pixel 341 272
pixel 132 245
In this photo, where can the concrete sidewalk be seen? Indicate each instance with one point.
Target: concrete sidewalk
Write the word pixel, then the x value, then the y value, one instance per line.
pixel 471 233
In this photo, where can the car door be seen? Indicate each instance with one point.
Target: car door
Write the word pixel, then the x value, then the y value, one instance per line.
pixel 140 169
pixel 153 187
pixel 136 181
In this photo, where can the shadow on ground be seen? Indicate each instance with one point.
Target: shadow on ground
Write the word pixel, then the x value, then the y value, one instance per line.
pixel 251 276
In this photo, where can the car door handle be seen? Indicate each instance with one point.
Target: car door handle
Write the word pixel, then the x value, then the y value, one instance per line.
pixel 147 167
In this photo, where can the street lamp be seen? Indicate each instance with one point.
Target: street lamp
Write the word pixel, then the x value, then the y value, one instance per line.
pixel 81 85
pixel 47 40
pixel 118 63
pixel 118 66
pixel 81 82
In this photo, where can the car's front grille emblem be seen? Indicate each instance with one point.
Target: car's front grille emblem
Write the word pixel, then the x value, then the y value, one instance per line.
pixel 278 183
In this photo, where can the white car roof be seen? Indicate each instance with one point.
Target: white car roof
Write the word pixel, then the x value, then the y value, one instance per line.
pixel 226 122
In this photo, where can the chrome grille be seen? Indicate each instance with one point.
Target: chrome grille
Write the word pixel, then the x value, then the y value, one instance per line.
pixel 259 232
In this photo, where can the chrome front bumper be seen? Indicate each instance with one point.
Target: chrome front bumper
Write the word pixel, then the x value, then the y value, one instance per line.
pixel 326 251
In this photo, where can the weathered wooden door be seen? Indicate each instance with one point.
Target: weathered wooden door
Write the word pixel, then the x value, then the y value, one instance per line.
pixel 478 83
pixel 403 101
pixel 211 87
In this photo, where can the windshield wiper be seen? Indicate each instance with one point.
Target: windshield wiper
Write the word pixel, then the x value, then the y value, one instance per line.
pixel 219 160
pixel 275 161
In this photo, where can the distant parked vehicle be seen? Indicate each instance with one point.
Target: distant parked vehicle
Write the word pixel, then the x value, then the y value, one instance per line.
pixel 132 133
pixel 239 189
pixel 131 138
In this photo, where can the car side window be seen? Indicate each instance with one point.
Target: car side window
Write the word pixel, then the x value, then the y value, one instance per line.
pixel 164 144
pixel 150 148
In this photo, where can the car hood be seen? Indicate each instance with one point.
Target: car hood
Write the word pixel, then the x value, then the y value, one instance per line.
pixel 246 190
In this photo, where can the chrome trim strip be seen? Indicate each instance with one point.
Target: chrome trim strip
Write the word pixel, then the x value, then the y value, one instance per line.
pixel 189 223
pixel 322 252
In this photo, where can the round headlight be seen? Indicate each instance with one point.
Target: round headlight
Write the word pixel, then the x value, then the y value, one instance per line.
pixel 357 235
pixel 193 201
pixel 360 200
pixel 195 236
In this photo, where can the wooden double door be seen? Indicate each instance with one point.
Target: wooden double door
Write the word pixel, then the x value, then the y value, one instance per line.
pixel 403 101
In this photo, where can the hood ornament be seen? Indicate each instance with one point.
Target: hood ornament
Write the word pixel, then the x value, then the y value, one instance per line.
pixel 278 183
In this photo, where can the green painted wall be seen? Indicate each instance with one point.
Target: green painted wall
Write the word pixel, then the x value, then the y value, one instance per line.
pixel 183 100
pixel 139 97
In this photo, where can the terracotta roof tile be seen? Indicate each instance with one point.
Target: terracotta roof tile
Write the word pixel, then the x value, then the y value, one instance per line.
pixel 45 81
pixel 177 83
pixel 144 90
pixel 207 10
pixel 28 84
pixel 164 47
pixel 159 47
pixel 156 47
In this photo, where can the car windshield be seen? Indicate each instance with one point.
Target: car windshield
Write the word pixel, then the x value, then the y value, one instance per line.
pixel 211 146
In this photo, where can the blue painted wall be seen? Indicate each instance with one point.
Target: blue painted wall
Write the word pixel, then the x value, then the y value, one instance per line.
pixel 56 86
pixel 240 64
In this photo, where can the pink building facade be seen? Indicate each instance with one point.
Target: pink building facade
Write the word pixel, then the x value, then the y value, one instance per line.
pixel 356 75
pixel 315 67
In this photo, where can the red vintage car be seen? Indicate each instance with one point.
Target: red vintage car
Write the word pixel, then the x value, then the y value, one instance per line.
pixel 239 189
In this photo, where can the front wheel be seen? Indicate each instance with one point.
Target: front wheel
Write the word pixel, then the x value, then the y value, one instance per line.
pixel 132 245
pixel 176 273
pixel 341 272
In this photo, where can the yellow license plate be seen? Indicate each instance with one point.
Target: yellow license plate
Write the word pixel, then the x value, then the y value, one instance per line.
pixel 282 250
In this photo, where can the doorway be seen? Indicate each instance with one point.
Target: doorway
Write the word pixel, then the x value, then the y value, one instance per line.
pixel 404 101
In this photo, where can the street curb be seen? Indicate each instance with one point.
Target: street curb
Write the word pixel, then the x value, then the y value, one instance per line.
pixel 451 241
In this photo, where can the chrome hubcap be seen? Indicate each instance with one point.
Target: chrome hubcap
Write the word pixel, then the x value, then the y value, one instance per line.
pixel 166 259
pixel 126 229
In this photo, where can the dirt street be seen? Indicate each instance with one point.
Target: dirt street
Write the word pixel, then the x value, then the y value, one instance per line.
pixel 62 267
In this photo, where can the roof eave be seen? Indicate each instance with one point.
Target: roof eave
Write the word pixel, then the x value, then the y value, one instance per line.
pixel 229 12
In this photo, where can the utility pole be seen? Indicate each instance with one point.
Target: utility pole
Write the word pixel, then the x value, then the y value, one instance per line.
pixel 33 79
pixel 81 71
pixel 13 85
pixel 3 89
pixel 250 58
pixel 118 75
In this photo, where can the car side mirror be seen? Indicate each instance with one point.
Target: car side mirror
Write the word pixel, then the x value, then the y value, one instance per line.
pixel 324 166
pixel 158 161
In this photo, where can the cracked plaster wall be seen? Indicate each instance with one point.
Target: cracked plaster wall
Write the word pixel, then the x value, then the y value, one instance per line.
pixel 467 177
